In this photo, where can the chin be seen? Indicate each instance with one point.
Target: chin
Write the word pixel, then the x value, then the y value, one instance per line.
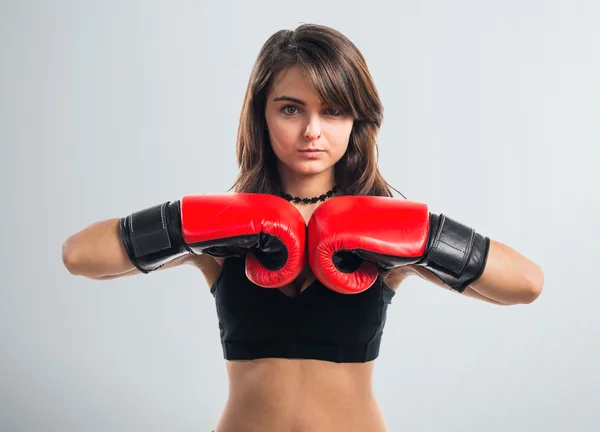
pixel 309 168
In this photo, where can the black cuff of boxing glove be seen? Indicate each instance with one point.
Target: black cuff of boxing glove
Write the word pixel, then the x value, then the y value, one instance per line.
pixel 152 237
pixel 455 252
pixel 125 232
pixel 484 252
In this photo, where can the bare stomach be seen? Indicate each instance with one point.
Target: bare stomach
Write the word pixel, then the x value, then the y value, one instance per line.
pixel 284 395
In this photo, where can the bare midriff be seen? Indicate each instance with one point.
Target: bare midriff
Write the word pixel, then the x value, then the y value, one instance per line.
pixel 294 395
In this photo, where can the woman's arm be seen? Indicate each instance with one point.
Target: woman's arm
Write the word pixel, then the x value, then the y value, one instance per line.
pixel 189 231
pixel 508 278
pixel 97 252
pixel 397 275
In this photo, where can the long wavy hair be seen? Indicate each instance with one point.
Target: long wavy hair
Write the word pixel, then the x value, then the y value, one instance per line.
pixel 338 73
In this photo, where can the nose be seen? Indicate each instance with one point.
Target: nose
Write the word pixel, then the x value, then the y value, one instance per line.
pixel 313 129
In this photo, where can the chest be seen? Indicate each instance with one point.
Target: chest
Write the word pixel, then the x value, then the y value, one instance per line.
pixel 301 283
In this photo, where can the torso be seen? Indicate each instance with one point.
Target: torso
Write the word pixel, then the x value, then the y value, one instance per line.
pixel 297 395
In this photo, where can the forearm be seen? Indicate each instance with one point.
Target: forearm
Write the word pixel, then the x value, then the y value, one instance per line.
pixel 509 277
pixel 97 251
pixel 465 259
pixel 468 292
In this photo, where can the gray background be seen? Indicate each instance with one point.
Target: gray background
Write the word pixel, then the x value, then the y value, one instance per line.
pixel 491 116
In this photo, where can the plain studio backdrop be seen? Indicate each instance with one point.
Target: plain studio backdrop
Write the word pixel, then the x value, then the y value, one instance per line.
pixel 492 116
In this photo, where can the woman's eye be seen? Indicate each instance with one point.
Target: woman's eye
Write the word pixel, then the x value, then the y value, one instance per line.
pixel 291 109
pixel 286 109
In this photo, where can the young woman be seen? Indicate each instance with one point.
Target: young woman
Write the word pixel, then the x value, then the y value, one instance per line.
pixel 300 348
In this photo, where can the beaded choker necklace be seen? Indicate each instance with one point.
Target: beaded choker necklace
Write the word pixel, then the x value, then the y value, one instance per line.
pixel 312 200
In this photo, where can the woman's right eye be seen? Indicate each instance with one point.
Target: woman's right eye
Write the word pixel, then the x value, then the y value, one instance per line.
pixel 286 109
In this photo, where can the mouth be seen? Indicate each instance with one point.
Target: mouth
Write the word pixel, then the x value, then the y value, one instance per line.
pixel 312 154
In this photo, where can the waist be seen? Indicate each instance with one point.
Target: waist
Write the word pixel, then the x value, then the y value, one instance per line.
pixel 301 395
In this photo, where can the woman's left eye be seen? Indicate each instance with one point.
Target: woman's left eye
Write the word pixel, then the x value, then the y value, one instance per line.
pixel 336 112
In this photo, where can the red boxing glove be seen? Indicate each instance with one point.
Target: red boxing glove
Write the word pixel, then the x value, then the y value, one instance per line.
pixel 350 238
pixel 269 230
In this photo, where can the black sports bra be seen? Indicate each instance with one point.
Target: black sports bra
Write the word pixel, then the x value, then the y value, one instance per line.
pixel 319 324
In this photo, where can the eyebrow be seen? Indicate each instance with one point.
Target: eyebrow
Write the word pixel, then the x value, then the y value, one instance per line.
pixel 292 99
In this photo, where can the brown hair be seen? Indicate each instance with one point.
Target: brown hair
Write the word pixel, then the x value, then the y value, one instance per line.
pixel 338 73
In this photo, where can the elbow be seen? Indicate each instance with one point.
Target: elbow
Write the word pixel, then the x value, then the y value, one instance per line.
pixel 69 258
pixel 534 286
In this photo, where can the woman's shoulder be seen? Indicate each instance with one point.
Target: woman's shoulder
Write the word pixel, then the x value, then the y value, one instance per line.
pixel 209 266
pixel 395 276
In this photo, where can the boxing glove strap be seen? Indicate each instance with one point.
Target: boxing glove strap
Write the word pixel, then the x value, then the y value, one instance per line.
pixel 455 253
pixel 152 237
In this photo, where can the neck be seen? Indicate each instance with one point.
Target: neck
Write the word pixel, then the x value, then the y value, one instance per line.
pixel 307 186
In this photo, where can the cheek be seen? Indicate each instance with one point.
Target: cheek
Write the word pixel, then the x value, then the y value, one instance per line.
pixel 282 135
pixel 339 139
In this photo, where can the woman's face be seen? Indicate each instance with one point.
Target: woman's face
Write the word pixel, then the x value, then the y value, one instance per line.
pixel 308 137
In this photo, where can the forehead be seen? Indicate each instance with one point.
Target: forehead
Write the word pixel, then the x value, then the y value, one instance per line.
pixel 291 82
